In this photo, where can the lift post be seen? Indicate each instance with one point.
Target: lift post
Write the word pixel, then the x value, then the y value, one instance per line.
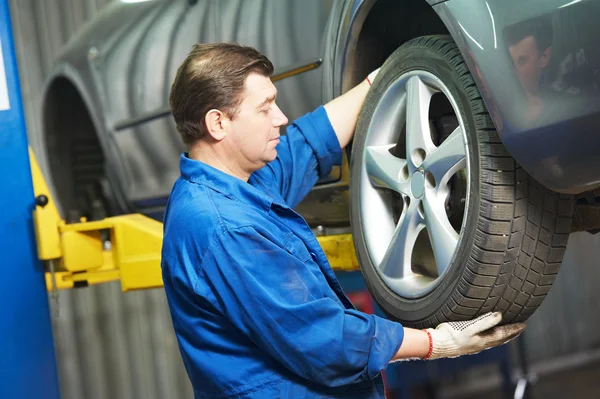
pixel 27 362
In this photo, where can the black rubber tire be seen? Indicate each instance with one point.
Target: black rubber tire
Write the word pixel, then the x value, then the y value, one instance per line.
pixel 513 243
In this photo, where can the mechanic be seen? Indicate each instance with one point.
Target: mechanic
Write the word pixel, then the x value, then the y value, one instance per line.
pixel 256 307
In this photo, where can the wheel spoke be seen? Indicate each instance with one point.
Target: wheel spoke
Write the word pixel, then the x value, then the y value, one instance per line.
pixel 418 132
pixel 448 158
pixel 442 235
pixel 384 169
pixel 397 261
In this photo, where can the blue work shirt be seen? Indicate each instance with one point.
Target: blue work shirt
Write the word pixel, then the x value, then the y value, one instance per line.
pixel 257 309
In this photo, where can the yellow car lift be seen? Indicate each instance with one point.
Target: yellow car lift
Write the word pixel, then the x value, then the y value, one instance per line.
pixel 75 254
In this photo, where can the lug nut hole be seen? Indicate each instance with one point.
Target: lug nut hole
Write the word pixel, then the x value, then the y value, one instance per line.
pixel 418 156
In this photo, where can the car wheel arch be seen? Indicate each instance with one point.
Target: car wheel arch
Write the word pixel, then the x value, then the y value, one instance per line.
pixel 67 107
pixel 369 22
pixel 361 48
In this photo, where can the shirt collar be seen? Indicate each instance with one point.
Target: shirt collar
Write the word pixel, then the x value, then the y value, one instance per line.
pixel 201 173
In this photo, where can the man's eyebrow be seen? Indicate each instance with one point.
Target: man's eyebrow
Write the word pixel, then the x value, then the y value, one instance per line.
pixel 267 100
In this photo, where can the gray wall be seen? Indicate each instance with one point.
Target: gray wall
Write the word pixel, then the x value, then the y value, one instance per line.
pixel 115 345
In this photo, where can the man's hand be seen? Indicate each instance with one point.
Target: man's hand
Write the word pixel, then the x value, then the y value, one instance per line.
pixel 459 338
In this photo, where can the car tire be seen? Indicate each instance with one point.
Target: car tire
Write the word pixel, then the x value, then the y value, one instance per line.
pixel 506 250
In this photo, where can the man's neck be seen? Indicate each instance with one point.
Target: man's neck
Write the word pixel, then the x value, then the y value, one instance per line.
pixel 207 155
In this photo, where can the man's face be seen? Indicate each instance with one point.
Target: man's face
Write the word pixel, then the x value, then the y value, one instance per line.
pixel 529 62
pixel 253 134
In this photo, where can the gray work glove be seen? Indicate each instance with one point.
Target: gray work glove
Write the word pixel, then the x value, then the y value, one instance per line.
pixel 459 338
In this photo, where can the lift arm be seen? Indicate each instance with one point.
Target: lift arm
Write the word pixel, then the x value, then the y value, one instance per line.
pixel 76 254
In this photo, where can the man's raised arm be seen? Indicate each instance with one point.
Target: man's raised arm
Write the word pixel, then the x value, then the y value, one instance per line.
pixel 343 111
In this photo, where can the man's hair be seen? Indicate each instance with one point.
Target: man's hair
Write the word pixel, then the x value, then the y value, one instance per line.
pixel 540 28
pixel 212 76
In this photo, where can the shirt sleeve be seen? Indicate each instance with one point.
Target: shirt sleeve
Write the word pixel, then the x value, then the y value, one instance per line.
pixel 275 300
pixel 308 151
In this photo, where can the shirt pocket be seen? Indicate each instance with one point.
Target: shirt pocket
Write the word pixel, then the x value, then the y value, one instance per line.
pixel 296 247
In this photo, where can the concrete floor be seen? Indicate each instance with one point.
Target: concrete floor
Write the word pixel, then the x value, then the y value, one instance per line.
pixel 580 383
pixel 577 383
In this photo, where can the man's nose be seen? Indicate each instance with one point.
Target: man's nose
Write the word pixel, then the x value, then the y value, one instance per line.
pixel 279 118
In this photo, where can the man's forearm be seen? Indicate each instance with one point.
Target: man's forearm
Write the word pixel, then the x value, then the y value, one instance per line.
pixel 343 112
pixel 414 345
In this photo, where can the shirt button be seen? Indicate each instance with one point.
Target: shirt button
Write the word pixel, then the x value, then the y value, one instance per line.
pixel 313 255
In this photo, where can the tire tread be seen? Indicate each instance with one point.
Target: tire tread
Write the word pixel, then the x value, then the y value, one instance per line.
pixel 517 281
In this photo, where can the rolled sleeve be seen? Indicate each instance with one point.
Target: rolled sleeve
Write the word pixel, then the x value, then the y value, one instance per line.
pixel 321 137
pixel 307 152
pixel 387 339
pixel 275 300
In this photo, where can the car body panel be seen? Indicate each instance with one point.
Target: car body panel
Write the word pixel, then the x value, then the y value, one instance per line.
pixel 547 114
pixel 124 60
pixel 136 67
pixel 82 63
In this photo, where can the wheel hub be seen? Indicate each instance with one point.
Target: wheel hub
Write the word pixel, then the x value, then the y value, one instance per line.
pixel 417 184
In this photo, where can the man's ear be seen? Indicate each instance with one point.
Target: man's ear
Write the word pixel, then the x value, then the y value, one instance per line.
pixel 546 56
pixel 215 124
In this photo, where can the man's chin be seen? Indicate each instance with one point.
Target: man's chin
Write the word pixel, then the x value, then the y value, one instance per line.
pixel 270 157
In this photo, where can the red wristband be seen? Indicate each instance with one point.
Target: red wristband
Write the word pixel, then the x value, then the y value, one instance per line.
pixel 430 346
pixel 369 80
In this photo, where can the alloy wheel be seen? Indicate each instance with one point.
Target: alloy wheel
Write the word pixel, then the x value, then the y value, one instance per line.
pixel 411 176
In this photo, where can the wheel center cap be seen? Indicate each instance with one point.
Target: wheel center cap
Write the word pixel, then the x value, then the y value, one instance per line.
pixel 417 184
